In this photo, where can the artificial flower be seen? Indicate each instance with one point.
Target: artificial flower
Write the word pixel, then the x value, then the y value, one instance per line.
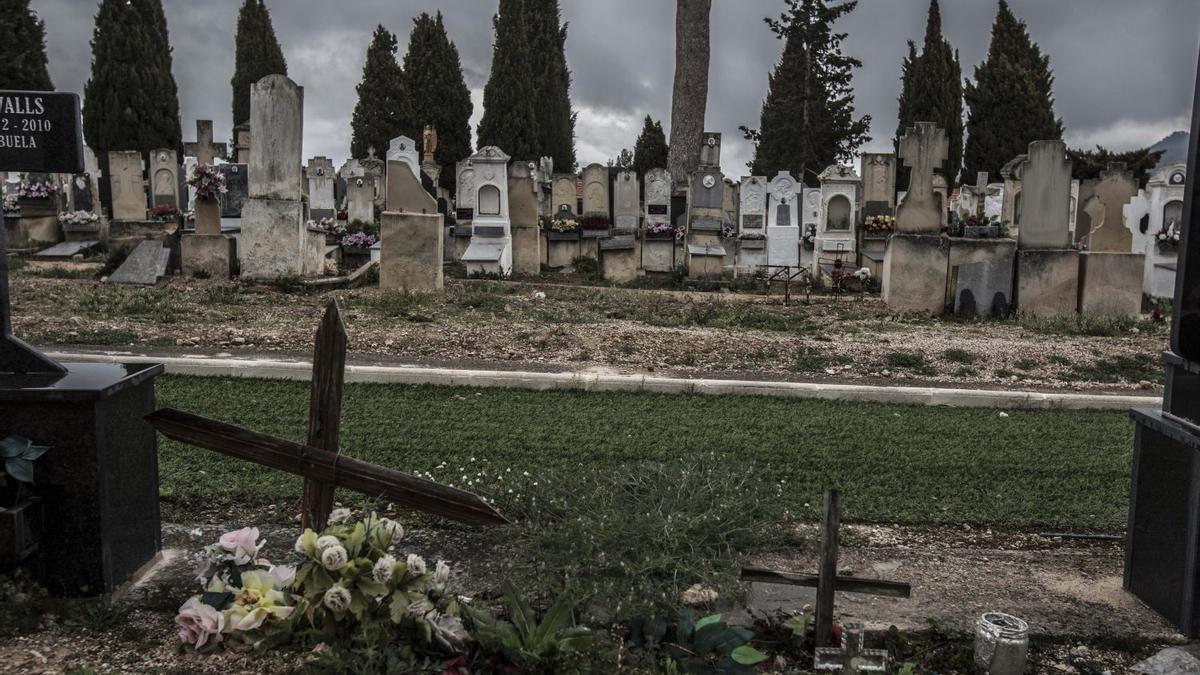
pixel 334 558
pixel 383 569
pixel 415 564
pixel 242 544
pixel 337 598
pixel 199 624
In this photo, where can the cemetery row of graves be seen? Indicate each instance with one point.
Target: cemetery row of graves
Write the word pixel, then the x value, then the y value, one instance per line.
pixel 1035 243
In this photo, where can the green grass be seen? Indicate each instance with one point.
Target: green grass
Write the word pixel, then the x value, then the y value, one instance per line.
pixel 956 355
pixel 893 463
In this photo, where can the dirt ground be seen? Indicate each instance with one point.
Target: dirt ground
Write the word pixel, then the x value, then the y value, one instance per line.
pixel 1068 591
pixel 539 326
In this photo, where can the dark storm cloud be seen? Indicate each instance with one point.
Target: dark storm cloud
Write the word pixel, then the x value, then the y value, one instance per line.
pixel 1125 70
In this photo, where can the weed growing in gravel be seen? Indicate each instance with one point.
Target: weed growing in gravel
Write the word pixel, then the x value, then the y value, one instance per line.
pixel 1026 364
pixel 217 296
pixel 958 356
pixel 811 360
pixel 1079 324
pixel 401 305
pixel 1131 369
pixel 914 363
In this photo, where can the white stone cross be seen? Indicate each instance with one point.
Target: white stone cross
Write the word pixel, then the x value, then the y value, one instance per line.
pixel 204 150
pixel 851 658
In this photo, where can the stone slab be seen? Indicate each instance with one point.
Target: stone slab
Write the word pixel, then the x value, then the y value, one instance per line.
pixel 1110 284
pixel 208 255
pixel 411 253
pixel 983 289
pixel 1170 661
pixel 658 255
pixel 560 252
pixel 66 250
pixel 914 273
pixel 997 276
pixel 527 250
pixel 617 244
pixel 144 265
pixel 619 265
pixel 1048 282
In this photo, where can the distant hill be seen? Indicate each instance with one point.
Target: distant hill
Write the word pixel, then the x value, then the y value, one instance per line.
pixel 1175 148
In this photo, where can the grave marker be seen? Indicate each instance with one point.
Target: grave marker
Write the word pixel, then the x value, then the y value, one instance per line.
pixel 923 148
pixel 164 178
pixel 203 149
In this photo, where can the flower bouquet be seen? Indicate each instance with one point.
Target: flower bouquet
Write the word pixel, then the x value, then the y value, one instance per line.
pixel 11 205
pixel 879 224
pixel 359 240
pixel 595 221
pixel 728 231
pixel 563 225
pixel 78 218
pixel 1168 237
pixel 810 237
pixel 164 212
pixel 38 189
pixel 208 182
pixel 660 230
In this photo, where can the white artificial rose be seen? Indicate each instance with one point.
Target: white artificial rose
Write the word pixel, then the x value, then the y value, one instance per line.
pixel 698 595
pixel 384 567
pixel 327 541
pixel 441 574
pixel 337 598
pixel 339 516
pixel 415 564
pixel 334 558
pixel 420 609
pixel 396 530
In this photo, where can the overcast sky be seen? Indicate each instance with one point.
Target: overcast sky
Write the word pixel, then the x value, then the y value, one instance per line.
pixel 1125 70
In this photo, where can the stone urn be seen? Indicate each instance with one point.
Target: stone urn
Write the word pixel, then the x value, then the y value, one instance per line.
pixel 208 215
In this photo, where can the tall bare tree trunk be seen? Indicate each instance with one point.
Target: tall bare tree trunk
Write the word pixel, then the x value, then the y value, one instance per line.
pixel 690 97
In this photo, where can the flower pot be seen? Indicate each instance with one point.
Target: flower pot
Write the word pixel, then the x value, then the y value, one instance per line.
pixel 20 531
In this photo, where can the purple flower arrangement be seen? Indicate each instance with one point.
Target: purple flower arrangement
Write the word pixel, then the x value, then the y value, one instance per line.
pixel 209 183
pixel 37 189
pixel 359 239
pixel 660 230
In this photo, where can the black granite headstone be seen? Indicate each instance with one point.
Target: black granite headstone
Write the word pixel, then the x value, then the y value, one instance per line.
pixel 1162 546
pixel 237 184
pixel 42 132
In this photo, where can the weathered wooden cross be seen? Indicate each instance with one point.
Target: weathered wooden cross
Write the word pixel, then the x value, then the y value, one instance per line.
pixel 16 357
pixel 319 460
pixel 827 580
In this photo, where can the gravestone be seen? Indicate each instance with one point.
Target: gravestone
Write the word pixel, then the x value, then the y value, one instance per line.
pixel 404 149
pixel 360 199
pixel 878 183
pixel 164 178
pixel 127 184
pixel 1107 231
pixel 915 263
pixel 204 150
pixel 1047 263
pixel 276 241
pixel 626 202
pixel 321 177
pixel 465 196
pixel 923 148
pixel 1011 173
pixel 708 191
pixel 836 239
pixel 783 221
pixel 144 266
pixel 237 185
pixel 82 196
pixel 490 250
pixel 565 192
pixel 242 143
pixel 405 193
pixel 595 191
pixel 752 237
pixel 523 212
pixel 658 251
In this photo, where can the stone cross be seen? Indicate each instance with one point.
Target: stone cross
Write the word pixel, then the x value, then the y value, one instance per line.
pixel 204 150
pixel 981 183
pixel 923 148
pixel 851 659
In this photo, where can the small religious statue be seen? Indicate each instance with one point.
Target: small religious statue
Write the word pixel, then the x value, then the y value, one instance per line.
pixel 429 142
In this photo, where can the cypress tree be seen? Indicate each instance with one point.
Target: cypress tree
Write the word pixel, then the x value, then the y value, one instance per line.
pixel 383 111
pixel 257 55
pixel 650 151
pixel 22 48
pixel 439 94
pixel 932 92
pixel 131 101
pixel 807 118
pixel 509 121
pixel 1088 164
pixel 1010 103
pixel 552 83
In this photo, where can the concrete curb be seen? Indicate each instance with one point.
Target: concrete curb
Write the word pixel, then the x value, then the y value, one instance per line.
pixel 587 381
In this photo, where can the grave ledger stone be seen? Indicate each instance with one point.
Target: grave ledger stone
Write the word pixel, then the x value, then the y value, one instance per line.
pixel 1162 551
pixel 275 240
pixel 98 483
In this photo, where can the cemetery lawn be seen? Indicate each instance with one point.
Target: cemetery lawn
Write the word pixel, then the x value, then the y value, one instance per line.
pixel 549 326
pixel 533 452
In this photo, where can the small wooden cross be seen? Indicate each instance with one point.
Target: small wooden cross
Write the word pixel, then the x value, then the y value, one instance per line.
pixel 851 658
pixel 319 461
pixel 16 357
pixel 826 580
pixel 204 150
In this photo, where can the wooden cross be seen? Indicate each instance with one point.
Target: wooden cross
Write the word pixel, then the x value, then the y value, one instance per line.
pixel 318 461
pixel 851 658
pixel 16 357
pixel 826 580
pixel 204 150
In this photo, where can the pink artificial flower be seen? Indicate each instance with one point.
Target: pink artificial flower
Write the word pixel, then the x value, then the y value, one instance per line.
pixel 242 544
pixel 199 624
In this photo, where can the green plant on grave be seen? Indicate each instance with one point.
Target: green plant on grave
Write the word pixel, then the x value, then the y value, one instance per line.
pixel 18 454
pixel 701 645
pixel 585 265
pixel 545 646
pixel 362 226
